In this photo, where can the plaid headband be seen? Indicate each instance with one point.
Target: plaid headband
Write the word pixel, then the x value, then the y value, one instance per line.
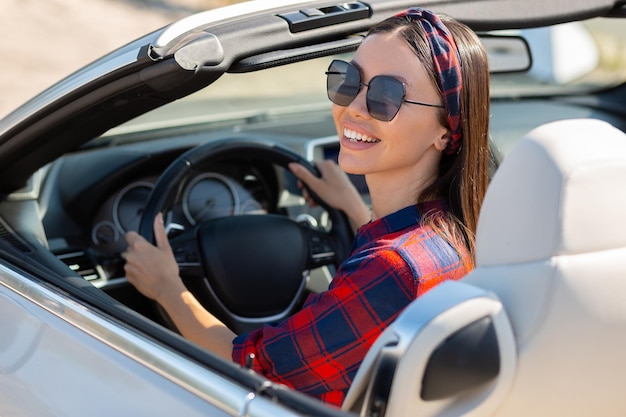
pixel 448 65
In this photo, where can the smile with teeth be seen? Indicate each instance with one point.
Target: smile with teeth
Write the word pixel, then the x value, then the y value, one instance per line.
pixel 358 137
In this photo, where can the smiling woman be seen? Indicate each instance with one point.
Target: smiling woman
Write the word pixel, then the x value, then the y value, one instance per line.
pixel 417 159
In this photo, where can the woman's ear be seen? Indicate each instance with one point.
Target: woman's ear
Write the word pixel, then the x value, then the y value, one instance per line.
pixel 441 143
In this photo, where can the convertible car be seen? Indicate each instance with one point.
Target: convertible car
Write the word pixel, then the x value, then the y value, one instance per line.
pixel 199 120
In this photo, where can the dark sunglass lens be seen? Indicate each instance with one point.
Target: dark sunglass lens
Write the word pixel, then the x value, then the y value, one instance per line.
pixel 342 83
pixel 384 97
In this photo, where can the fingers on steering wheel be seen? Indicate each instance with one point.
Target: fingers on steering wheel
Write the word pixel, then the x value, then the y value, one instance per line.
pixel 160 234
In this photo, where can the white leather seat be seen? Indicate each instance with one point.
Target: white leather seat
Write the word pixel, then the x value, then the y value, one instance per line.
pixel 551 263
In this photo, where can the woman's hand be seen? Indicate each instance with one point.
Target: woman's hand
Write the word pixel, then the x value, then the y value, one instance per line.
pixel 152 269
pixel 335 188
pixel 154 272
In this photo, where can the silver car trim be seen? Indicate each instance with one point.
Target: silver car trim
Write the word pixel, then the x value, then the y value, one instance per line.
pixel 215 390
pixel 312 145
pixel 238 10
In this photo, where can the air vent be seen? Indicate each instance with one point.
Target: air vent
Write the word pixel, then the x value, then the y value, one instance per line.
pixel 8 236
pixel 81 263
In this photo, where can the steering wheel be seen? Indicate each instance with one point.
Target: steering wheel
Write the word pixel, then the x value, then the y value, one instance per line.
pixel 248 269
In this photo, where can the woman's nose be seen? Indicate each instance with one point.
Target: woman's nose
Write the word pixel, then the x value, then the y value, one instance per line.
pixel 358 106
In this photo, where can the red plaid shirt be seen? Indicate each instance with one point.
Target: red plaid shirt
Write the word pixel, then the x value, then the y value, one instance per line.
pixel 319 349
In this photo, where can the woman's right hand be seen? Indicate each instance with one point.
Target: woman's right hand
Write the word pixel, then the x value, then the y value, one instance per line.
pixel 335 188
pixel 152 269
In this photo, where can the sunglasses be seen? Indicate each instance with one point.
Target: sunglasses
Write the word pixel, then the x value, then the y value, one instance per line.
pixel 384 96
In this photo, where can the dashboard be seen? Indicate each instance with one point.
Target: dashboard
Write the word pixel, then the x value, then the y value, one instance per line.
pixel 225 190
pixel 92 198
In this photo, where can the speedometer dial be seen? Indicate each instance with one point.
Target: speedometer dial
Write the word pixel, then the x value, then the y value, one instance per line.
pixel 209 196
pixel 128 206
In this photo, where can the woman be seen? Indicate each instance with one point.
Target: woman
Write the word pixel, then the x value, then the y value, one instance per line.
pixel 411 111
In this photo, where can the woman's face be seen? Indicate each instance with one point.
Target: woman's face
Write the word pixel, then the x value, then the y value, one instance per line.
pixel 410 145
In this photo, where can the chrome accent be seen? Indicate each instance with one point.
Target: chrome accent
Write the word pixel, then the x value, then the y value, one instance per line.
pixel 174 226
pixel 80 262
pixel 239 10
pixel 312 145
pixel 307 219
pixel 110 282
pixel 246 405
pixel 323 255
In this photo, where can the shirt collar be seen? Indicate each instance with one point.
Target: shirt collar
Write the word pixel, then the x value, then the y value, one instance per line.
pixel 396 221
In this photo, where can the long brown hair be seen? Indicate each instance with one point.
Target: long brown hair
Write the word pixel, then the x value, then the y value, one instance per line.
pixel 463 176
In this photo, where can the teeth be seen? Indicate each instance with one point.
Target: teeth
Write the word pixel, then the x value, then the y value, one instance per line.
pixel 356 137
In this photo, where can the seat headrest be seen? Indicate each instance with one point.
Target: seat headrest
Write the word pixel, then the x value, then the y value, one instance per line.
pixel 560 191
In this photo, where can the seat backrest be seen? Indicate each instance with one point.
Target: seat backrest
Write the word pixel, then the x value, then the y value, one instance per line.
pixel 551 243
pixel 551 280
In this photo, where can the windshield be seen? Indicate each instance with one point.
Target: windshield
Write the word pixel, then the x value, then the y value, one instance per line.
pixel 236 99
pixel 566 59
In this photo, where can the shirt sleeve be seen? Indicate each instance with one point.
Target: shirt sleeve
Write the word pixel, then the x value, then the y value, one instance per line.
pixel 319 349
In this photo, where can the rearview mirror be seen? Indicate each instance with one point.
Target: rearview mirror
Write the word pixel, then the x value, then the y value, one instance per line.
pixel 506 53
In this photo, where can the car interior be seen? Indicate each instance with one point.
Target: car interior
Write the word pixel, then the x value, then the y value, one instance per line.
pixel 546 290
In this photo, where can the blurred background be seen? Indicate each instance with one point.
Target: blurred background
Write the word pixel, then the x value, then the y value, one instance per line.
pixel 42 41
